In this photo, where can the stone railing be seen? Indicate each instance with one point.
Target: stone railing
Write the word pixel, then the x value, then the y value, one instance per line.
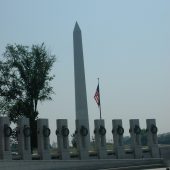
pixel 82 138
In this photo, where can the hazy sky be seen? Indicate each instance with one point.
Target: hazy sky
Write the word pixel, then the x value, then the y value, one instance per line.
pixel 126 44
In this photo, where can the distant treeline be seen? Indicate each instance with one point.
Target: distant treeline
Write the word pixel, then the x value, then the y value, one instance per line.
pixel 162 139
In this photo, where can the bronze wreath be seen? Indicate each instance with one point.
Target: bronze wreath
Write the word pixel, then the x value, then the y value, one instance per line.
pixel 83 131
pixel 102 131
pixel 65 131
pixel 137 130
pixel 57 132
pixel 154 129
pixel 7 131
pixel 46 131
pixel 27 131
pixel 120 130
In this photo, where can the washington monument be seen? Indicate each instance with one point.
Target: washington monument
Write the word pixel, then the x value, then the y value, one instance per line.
pixel 79 74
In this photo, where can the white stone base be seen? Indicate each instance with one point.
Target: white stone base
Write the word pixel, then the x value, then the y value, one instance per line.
pixel 5 155
pixel 137 152
pixel 155 152
pixel 120 153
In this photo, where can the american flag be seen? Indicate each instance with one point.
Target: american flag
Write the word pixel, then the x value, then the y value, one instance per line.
pixel 97 96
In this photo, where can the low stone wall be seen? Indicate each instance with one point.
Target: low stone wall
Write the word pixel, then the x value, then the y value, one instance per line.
pixel 80 164
pixel 165 151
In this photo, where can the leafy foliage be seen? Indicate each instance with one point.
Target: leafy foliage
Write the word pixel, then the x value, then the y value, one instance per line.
pixel 164 138
pixel 25 80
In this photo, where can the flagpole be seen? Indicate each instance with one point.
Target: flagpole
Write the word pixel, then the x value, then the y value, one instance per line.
pixel 100 102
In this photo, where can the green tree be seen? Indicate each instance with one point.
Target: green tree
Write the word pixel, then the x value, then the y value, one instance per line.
pixel 164 138
pixel 25 80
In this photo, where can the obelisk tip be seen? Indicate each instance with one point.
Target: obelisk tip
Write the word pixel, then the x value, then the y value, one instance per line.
pixel 76 27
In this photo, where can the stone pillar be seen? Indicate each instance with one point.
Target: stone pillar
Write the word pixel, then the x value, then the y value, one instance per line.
pixel 43 139
pixel 5 133
pixel 82 136
pixel 152 138
pixel 62 133
pixel 23 133
pixel 118 138
pixel 135 133
pixel 100 138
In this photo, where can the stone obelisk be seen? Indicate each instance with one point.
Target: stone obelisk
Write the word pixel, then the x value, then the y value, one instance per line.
pixel 79 74
pixel 82 120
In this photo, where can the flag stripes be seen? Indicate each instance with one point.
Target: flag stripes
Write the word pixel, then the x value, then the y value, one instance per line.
pixel 97 96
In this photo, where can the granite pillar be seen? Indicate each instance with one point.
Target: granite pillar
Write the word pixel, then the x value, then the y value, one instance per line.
pixel 135 133
pixel 43 133
pixel 118 138
pixel 62 133
pixel 152 138
pixel 5 133
pixel 100 138
pixel 23 133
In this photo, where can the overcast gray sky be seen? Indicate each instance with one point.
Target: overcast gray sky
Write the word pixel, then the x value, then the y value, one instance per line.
pixel 126 44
